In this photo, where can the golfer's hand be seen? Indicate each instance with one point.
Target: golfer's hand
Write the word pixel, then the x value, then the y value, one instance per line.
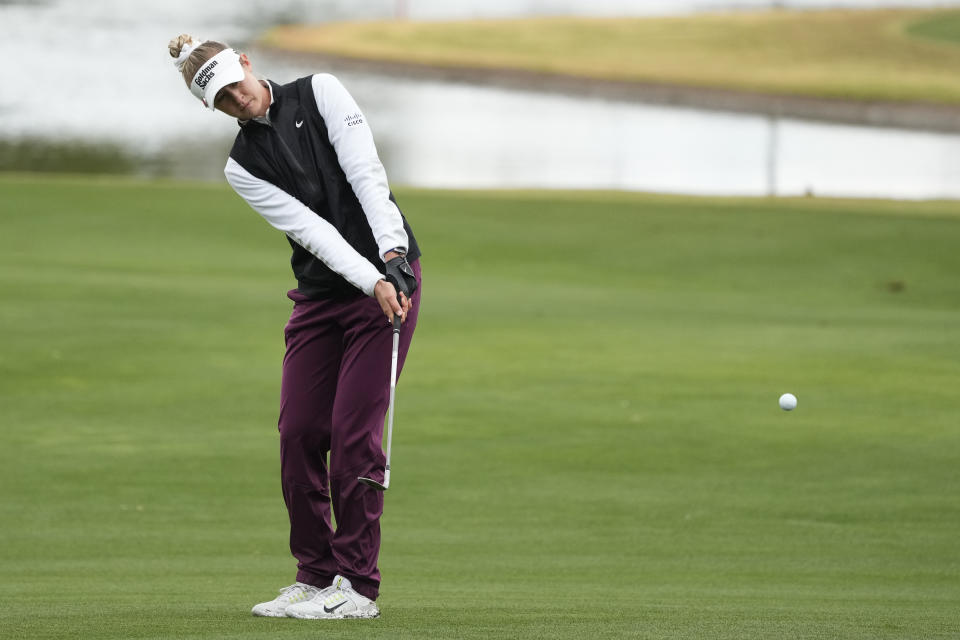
pixel 386 295
pixel 400 273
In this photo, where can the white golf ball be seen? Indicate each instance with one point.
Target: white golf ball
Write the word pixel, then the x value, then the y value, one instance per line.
pixel 788 402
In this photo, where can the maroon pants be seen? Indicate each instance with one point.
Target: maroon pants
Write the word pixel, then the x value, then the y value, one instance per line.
pixel 333 399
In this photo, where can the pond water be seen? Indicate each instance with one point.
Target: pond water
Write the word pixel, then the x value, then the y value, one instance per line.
pixel 97 71
pixel 437 134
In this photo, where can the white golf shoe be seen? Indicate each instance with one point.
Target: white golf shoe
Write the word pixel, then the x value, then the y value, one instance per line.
pixel 277 608
pixel 335 602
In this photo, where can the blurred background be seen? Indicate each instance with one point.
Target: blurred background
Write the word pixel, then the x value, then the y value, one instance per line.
pixel 96 91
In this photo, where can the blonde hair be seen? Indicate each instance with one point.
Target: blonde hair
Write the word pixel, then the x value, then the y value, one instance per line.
pixel 198 56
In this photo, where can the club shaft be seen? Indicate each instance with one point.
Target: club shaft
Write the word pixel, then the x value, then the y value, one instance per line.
pixel 393 389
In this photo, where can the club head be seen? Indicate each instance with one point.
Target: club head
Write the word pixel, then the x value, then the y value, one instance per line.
pixel 373 484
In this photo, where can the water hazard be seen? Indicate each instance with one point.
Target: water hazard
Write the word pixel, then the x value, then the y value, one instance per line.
pixel 115 84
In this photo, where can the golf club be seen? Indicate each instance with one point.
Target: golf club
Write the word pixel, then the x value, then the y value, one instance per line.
pixel 370 482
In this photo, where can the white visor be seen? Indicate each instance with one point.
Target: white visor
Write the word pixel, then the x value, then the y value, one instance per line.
pixel 216 73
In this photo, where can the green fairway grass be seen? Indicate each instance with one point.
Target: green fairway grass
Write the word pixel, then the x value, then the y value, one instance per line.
pixel 587 444
pixel 892 55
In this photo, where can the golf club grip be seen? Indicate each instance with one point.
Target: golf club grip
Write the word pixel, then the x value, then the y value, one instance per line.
pixel 396 323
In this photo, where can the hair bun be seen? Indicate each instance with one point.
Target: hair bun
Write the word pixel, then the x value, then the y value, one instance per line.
pixel 181 48
pixel 176 45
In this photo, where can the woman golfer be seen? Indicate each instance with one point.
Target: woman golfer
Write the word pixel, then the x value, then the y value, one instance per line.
pixel 304 159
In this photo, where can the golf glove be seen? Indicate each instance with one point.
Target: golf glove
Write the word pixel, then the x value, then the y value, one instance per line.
pixel 400 275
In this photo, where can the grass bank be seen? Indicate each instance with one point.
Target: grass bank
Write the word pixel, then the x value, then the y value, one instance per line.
pixel 65 157
pixel 588 442
pixel 886 55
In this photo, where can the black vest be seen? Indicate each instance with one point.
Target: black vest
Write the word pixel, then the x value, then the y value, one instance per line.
pixel 302 162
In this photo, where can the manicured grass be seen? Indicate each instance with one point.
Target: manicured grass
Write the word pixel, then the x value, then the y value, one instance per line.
pixel 869 55
pixel 588 442
pixel 941 25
